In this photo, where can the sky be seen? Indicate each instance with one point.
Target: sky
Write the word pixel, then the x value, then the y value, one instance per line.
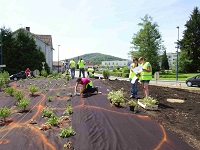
pixel 90 26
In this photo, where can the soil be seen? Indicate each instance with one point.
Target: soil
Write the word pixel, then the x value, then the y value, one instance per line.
pixel 97 124
pixel 179 109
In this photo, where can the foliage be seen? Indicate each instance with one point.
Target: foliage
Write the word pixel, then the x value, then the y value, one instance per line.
pixel 55 73
pixel 2 81
pixel 19 95
pixel 189 60
pixel 23 103
pixel 9 90
pixel 49 99
pixel 68 110
pixel 132 103
pixel 5 112
pixel 33 89
pixel 116 96
pixel 57 94
pixel 20 48
pixel 150 100
pixel 44 73
pixel 53 120
pixel 106 74
pixel 148 42
pixel 164 62
pixel 67 132
pixel 47 112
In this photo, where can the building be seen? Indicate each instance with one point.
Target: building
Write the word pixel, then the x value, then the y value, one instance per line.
pixel 44 42
pixel 172 57
pixel 116 63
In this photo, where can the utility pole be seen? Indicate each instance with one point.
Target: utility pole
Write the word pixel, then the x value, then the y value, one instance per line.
pixel 177 57
pixel 58 58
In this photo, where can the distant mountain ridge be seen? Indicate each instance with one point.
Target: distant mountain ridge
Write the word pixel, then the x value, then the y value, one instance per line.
pixel 96 58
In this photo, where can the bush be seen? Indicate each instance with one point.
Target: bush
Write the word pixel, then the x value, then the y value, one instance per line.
pixel 116 96
pixel 44 73
pixel 19 95
pixel 9 90
pixel 23 103
pixel 33 89
pixel 67 132
pixel 4 113
pixel 55 73
pixel 47 112
pixel 106 74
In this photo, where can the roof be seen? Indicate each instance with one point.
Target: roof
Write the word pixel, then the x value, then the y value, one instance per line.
pixel 45 38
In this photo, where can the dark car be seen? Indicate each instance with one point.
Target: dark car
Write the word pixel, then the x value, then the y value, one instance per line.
pixel 20 75
pixel 193 81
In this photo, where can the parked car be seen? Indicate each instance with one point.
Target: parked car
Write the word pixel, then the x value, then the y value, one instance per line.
pixel 193 81
pixel 17 76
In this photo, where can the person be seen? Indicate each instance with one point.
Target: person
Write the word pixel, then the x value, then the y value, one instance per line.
pixel 145 75
pixel 133 86
pixel 72 65
pixel 27 72
pixel 90 72
pixel 87 86
pixel 81 65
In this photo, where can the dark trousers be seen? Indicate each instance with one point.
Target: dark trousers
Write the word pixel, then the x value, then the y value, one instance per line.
pixel 134 89
pixel 82 70
pixel 73 72
pixel 89 89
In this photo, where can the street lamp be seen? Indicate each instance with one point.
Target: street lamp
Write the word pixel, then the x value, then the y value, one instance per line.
pixel 177 46
pixel 58 58
pixel 1 51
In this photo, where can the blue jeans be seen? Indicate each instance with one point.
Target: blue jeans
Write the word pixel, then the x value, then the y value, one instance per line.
pixel 134 89
pixel 82 70
pixel 73 72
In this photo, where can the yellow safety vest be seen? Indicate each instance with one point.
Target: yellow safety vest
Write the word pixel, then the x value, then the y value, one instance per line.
pixel 81 64
pixel 146 75
pixel 90 83
pixel 132 73
pixel 72 64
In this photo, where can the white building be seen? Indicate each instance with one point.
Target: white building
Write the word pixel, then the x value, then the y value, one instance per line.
pixel 172 57
pixel 116 63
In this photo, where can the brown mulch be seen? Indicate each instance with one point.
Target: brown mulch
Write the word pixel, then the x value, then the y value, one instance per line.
pixel 181 118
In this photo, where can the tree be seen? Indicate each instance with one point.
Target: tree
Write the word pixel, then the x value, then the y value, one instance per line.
pixel 20 52
pixel 189 58
pixel 164 62
pixel 148 41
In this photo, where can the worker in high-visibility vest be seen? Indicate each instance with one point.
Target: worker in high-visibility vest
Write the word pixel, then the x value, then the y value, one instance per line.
pixel 90 72
pixel 72 66
pixel 145 75
pixel 87 86
pixel 81 65
pixel 134 89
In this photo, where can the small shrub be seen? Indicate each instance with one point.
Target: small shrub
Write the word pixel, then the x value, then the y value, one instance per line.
pixel 116 96
pixel 132 103
pixel 44 73
pixel 33 89
pixel 67 132
pixel 19 95
pixel 68 110
pixel 47 112
pixel 53 120
pixel 150 100
pixel 106 74
pixel 9 90
pixel 49 99
pixel 55 73
pixel 23 103
pixel 5 112
pixel 57 94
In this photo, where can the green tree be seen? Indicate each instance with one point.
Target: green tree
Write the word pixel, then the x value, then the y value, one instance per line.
pixel 189 58
pixel 164 62
pixel 20 51
pixel 148 41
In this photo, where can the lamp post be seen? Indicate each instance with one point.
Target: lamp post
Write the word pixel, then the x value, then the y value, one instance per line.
pixel 177 46
pixel 58 58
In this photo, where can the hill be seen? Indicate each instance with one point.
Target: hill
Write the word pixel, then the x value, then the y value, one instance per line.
pixel 96 58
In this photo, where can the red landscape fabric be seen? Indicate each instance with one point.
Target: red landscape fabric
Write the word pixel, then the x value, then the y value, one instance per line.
pixel 98 125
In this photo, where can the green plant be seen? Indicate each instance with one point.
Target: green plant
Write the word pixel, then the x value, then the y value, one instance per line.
pixel 57 94
pixel 150 100
pixel 9 90
pixel 33 89
pixel 68 110
pixel 19 95
pixel 132 103
pixel 116 96
pixel 106 74
pixel 23 103
pixel 47 112
pixel 49 99
pixel 4 113
pixel 44 73
pixel 53 120
pixel 67 132
pixel 69 94
pixel 55 73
